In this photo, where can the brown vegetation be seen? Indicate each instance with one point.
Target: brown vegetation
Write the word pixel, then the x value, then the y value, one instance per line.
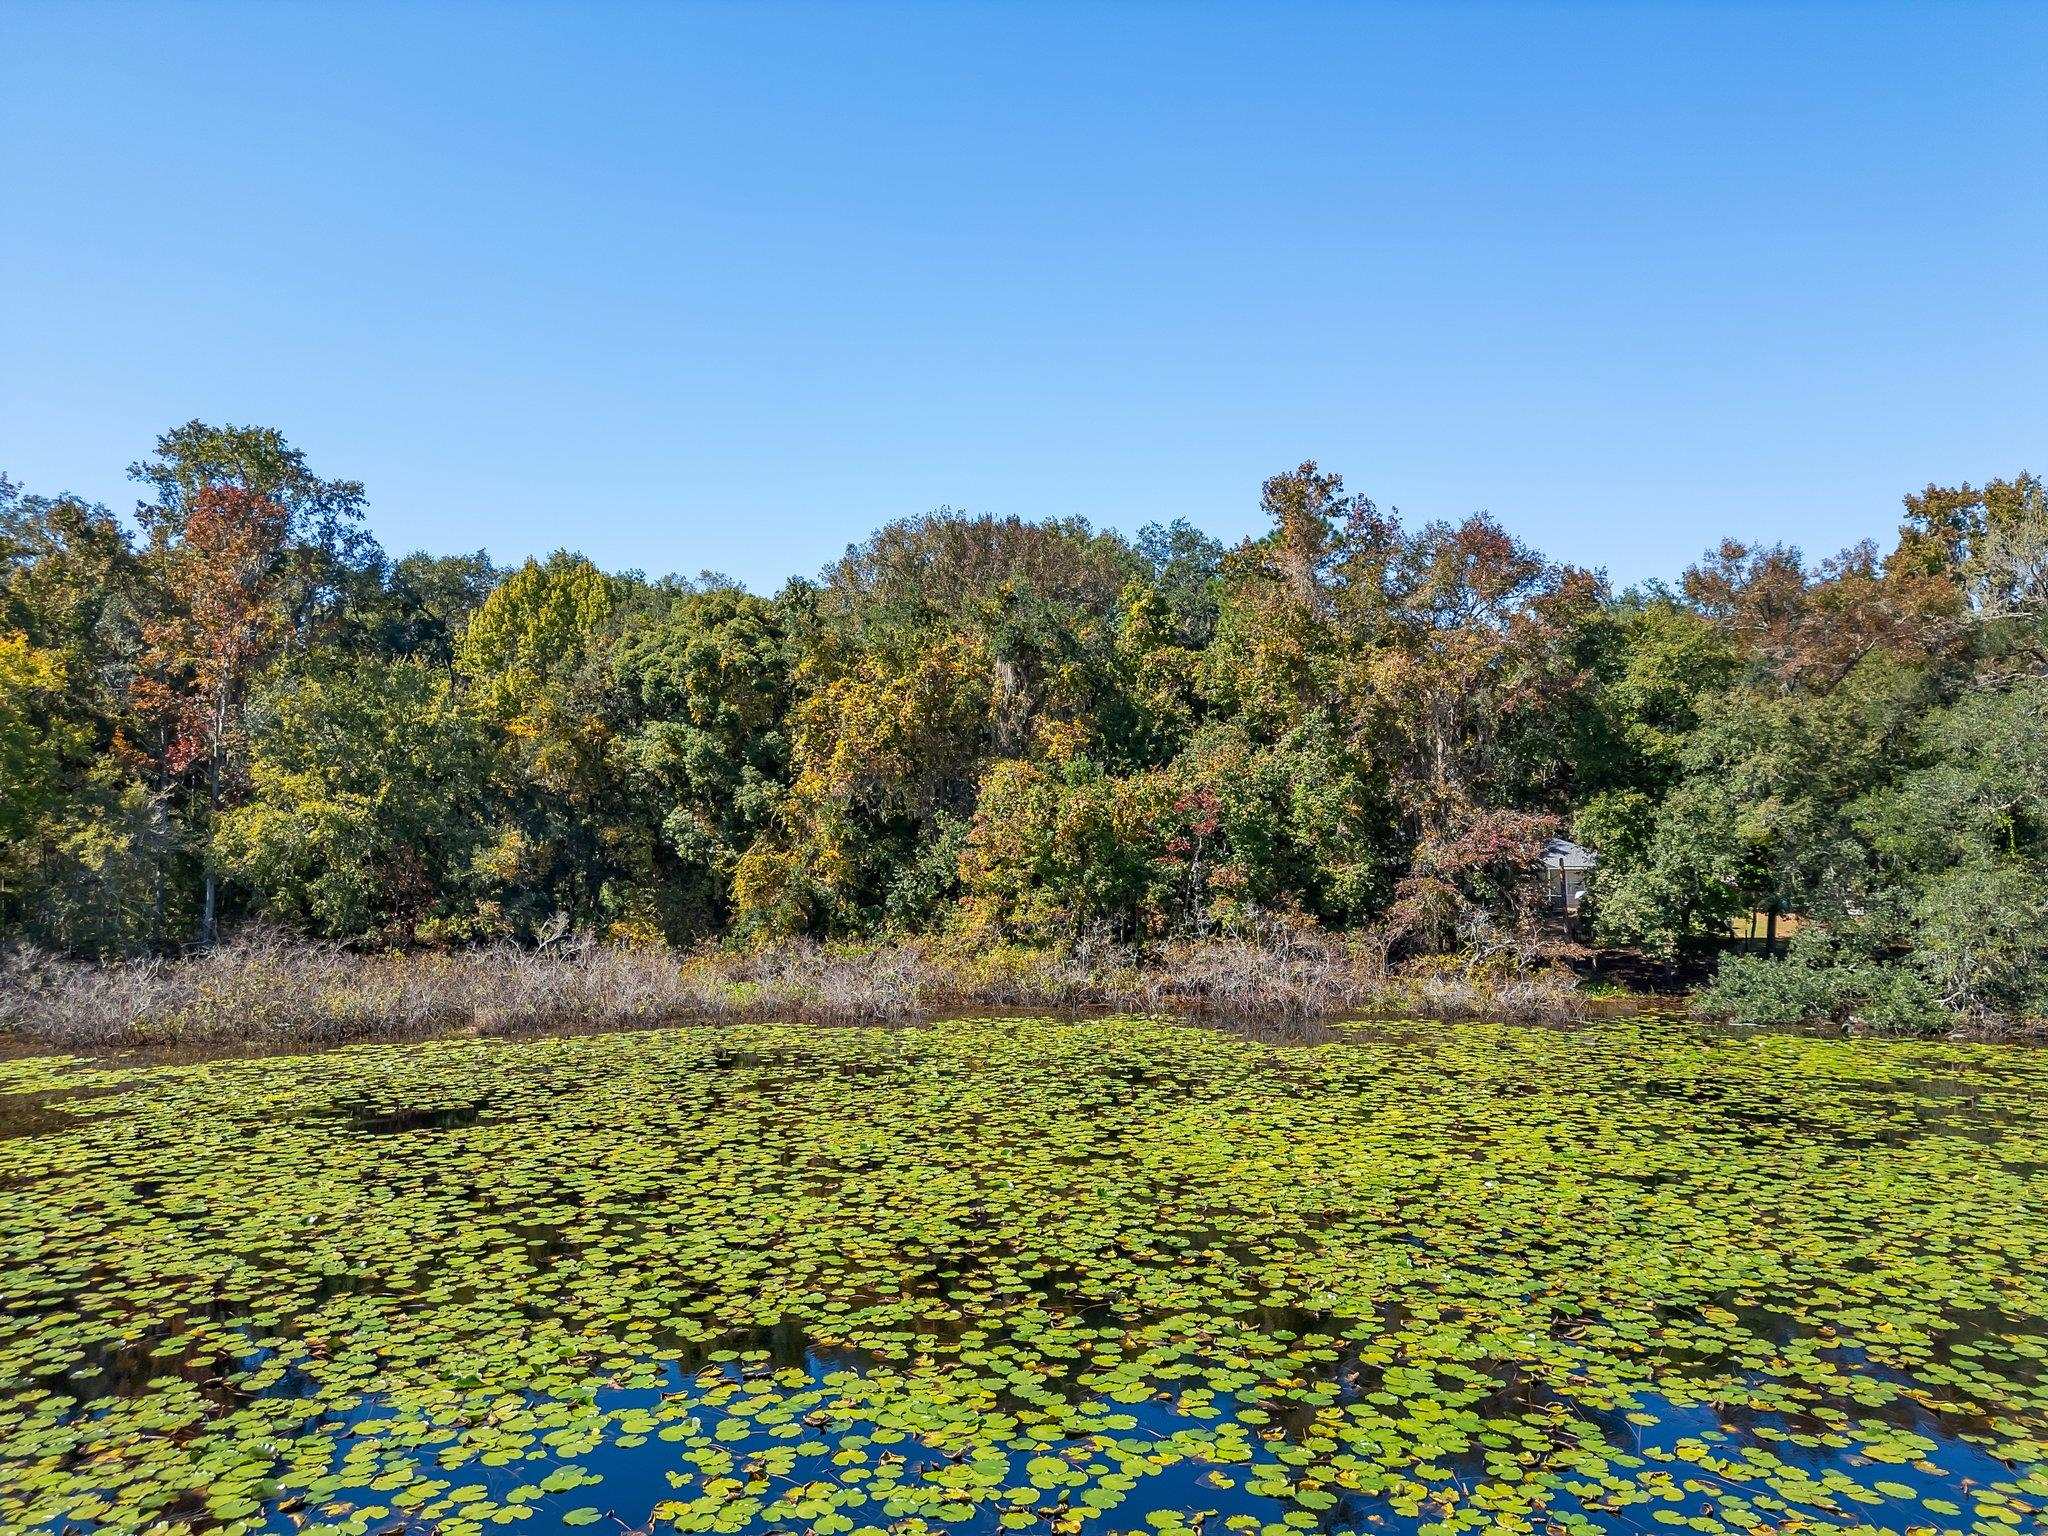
pixel 268 989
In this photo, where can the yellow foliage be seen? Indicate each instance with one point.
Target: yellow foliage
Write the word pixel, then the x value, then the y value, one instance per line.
pixel 635 933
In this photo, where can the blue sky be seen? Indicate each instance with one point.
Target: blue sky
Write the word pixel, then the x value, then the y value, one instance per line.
pixel 727 286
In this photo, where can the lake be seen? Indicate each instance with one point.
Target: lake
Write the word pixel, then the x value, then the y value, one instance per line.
pixel 1103 1276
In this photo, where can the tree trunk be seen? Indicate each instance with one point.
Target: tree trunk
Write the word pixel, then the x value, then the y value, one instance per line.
pixel 1771 931
pixel 157 903
pixel 207 904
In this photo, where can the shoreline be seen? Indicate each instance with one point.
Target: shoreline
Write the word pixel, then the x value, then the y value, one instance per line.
pixel 265 993
pixel 267 990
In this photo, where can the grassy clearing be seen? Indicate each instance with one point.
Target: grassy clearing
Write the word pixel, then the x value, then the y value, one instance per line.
pixel 267 989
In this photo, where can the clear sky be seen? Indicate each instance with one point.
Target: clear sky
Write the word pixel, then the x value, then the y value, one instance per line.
pixel 727 286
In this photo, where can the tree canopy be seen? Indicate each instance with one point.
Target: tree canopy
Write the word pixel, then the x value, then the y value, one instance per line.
pixel 233 705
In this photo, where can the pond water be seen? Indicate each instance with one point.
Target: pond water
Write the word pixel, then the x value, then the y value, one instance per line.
pixel 1116 1275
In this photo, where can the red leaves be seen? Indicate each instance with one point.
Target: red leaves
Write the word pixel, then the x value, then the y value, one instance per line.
pixel 1809 627
pixel 222 620
pixel 1200 807
pixel 1480 860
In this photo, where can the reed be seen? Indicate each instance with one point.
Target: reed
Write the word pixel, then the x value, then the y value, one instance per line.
pixel 266 988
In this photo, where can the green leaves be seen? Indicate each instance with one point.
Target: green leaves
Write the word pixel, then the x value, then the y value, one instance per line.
pixel 1071 1277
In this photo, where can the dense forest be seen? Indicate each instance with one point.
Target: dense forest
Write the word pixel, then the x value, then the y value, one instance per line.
pixel 233 706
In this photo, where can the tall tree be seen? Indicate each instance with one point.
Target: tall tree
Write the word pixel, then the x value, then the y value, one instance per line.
pixel 252 554
pixel 1465 675
pixel 225 618
pixel 536 656
pixel 324 557
pixel 705 693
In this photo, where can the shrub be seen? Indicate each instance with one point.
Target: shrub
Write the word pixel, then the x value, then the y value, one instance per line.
pixel 1892 998
pixel 1899 999
pixel 1751 989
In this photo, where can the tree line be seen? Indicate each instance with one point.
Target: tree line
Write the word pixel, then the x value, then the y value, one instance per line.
pixel 234 704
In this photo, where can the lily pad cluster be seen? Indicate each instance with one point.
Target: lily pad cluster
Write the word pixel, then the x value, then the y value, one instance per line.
pixel 1114 1276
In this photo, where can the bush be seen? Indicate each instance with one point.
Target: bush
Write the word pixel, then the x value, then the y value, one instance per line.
pixel 1750 989
pixel 1896 999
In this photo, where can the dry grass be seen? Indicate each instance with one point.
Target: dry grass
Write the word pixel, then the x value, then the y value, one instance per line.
pixel 266 989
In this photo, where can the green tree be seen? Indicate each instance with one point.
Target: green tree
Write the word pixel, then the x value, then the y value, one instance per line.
pixel 706 693
pixel 427 603
pixel 369 803
pixel 536 656
pixel 1958 878
pixel 94 864
pixel 1059 850
pixel 35 741
pixel 941 646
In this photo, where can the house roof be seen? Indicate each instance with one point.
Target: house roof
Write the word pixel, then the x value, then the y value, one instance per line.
pixel 1560 854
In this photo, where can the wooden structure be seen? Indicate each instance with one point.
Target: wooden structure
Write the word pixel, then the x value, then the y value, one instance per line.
pixel 1565 868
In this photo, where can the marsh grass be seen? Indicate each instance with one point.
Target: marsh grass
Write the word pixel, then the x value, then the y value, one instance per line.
pixel 264 987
